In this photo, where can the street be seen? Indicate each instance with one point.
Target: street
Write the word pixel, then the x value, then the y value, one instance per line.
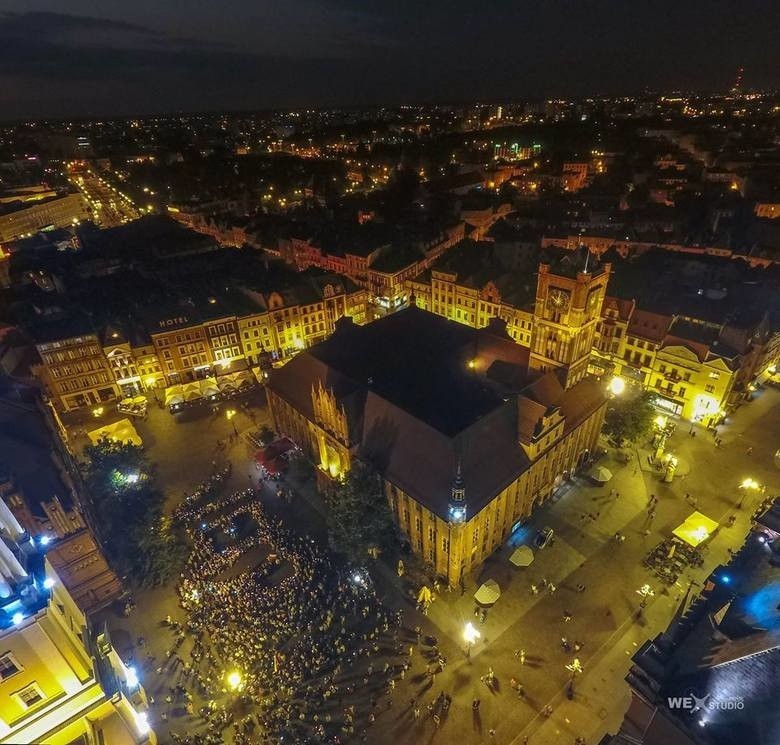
pixel 109 206
pixel 585 518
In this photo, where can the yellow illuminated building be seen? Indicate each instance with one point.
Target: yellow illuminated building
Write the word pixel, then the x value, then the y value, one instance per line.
pixel 76 371
pixel 181 345
pixel 61 682
pixel 467 440
pixel 460 288
pixel 566 313
pixel 692 380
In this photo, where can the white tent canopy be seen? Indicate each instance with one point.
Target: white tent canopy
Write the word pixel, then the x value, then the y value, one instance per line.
pixel 122 431
pixel 208 387
pixel 522 556
pixel 174 395
pixel 488 593
pixel 602 475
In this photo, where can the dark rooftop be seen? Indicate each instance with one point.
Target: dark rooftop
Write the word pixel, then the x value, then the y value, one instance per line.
pixel 430 379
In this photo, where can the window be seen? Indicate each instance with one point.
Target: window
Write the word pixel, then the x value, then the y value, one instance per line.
pixel 30 695
pixel 709 388
pixel 682 392
pixel 8 666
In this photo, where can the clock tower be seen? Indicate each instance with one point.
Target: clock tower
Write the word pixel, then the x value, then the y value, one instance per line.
pixel 566 311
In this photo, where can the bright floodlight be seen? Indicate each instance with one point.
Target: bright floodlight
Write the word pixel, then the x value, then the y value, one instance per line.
pixel 142 722
pixel 48 583
pixel 132 478
pixel 617 385
pixel 234 680
pixel 660 421
pixel 470 634
pixel 18 618
pixel 132 678
pixel 44 540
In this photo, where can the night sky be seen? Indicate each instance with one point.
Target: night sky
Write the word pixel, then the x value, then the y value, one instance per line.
pixel 87 57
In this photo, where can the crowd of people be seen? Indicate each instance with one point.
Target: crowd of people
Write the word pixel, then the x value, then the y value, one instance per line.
pixel 288 647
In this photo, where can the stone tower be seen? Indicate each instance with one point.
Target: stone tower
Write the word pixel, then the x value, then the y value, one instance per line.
pixel 566 311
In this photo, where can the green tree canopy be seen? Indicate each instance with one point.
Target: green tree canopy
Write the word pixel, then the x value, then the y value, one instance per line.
pixel 127 506
pixel 629 418
pixel 359 516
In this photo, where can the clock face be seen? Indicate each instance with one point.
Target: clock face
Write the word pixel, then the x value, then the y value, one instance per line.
pixel 557 299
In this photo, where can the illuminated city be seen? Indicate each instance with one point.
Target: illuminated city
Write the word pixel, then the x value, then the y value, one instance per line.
pixel 389 373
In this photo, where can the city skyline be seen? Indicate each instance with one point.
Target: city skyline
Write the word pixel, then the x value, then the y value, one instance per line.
pixel 336 53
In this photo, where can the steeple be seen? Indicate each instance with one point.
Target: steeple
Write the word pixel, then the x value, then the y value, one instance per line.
pixel 457 507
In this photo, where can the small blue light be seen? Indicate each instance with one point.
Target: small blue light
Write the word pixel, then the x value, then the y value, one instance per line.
pixel 44 540
pixel 48 583
pixel 18 618
pixel 726 579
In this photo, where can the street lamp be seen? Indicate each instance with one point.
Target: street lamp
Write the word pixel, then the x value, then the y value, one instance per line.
pixel 470 634
pixel 234 680
pixel 617 385
pixel 645 591
pixel 747 485
pixel 230 413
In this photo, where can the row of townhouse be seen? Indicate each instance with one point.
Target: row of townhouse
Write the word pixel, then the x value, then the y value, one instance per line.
pixel 698 370
pixel 375 263
pixel 188 341
pixel 599 244
pixel 445 294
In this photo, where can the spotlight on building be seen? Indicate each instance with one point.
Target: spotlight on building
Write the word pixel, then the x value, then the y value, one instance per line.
pixel 131 678
pixel 142 722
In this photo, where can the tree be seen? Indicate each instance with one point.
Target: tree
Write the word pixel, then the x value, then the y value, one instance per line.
pixel 628 419
pixel 359 516
pixel 127 505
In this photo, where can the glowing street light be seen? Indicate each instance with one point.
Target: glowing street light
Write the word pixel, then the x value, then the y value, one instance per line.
pixel 234 680
pixel 131 678
pixel 470 635
pixel 660 421
pixel 617 386
pixel 747 485
pixel 230 413
pixel 142 722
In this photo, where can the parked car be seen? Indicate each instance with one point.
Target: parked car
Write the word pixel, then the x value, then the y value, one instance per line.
pixel 543 537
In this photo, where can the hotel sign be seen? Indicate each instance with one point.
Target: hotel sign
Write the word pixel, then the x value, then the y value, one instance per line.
pixel 170 322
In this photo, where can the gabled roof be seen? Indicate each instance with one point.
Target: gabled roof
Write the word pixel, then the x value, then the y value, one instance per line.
pixel 648 325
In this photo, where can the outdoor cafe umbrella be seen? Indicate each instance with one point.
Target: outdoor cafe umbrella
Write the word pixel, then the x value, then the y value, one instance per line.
pixel 488 593
pixel 192 392
pixel 602 475
pixel 522 556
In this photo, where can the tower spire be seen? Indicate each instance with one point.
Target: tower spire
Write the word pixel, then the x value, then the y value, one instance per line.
pixel 457 507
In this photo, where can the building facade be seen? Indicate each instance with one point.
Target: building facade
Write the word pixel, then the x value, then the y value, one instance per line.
pixel 61 682
pixel 566 313
pixel 190 342
pixel 466 440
